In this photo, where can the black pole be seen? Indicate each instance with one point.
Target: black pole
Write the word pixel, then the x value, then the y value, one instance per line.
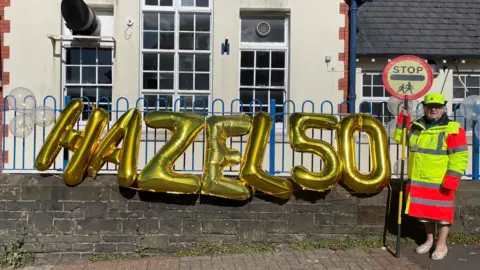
pixel 402 172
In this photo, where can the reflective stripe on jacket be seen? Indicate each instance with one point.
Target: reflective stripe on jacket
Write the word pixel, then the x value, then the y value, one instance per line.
pixel 437 161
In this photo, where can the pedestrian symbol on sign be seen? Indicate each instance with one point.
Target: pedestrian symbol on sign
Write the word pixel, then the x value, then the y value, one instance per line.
pixel 406 88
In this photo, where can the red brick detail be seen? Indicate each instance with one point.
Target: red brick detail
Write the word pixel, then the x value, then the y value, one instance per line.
pixel 5 54
pixel 343 34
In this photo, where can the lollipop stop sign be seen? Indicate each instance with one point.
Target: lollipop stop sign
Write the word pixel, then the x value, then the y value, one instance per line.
pixel 407 77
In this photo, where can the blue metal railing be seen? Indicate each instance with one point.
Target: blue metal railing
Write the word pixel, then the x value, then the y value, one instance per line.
pixel 279 157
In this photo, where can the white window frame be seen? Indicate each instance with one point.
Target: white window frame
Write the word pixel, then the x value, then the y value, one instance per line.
pixel 177 9
pixel 460 100
pixel 270 46
pixel 87 44
pixel 372 99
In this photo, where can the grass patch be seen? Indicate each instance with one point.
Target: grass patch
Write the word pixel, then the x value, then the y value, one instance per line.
pixel 464 239
pixel 13 255
pixel 217 249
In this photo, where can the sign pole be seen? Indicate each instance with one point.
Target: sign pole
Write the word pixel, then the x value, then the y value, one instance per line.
pixel 402 179
pixel 406 78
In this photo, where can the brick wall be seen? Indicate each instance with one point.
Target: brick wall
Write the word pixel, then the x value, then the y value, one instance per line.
pixel 5 54
pixel 61 222
pixel 343 34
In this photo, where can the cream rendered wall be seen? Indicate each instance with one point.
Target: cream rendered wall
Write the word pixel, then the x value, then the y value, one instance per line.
pixel 314 27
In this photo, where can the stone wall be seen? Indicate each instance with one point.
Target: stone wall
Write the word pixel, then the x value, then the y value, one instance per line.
pixel 97 216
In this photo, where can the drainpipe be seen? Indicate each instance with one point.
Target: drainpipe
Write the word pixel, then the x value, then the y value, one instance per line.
pixel 352 51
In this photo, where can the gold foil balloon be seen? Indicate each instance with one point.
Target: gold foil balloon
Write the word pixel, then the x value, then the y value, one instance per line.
pixel 251 172
pixel 158 175
pixel 82 144
pixel 218 156
pixel 380 173
pixel 332 165
pixel 128 128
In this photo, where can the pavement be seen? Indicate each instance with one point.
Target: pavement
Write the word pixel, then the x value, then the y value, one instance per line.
pixel 309 259
pixel 459 257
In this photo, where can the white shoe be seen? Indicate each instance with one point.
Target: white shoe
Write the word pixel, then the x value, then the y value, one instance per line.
pixel 439 255
pixel 423 249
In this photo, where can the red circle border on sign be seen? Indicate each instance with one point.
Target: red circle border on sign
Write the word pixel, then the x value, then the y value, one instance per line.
pixel 408 97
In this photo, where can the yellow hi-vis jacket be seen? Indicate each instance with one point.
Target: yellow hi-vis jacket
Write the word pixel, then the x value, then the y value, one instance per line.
pixel 437 161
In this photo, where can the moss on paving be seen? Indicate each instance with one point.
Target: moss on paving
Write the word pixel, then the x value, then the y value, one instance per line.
pixel 348 242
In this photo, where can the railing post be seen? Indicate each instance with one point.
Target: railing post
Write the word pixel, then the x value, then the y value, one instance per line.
pixel 273 114
pixel 67 100
pixel 475 153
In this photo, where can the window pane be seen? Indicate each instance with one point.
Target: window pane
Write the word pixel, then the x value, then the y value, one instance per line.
pixel 74 92
pixel 90 93
pixel 150 61
pixel 200 103
pixel 456 81
pixel 377 91
pixel 166 61
pixel 89 56
pixel 166 81
pixel 186 62
pixel 186 41
pixel 104 56
pixel 377 80
pixel 458 93
pixel 263 59
pixel 278 96
pixel 278 78
pixel 262 96
pixel 202 3
pixel 367 79
pixel 202 81
pixel 262 78
pixel 167 21
pixel 185 81
pixel 367 91
pixel 150 40
pixel 202 22
pixel 168 3
pixel 278 59
pixel 188 3
pixel 89 75
pixel 184 102
pixel 472 91
pixel 150 80
pixel 246 96
pixel 160 101
pixel 104 92
pixel 72 75
pixel 104 75
pixel 472 81
pixel 247 58
pixel 186 22
pixel 202 62
pixel 202 41
pixel 246 77
pixel 150 21
pixel 73 57
pixel 151 2
pixel 167 41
